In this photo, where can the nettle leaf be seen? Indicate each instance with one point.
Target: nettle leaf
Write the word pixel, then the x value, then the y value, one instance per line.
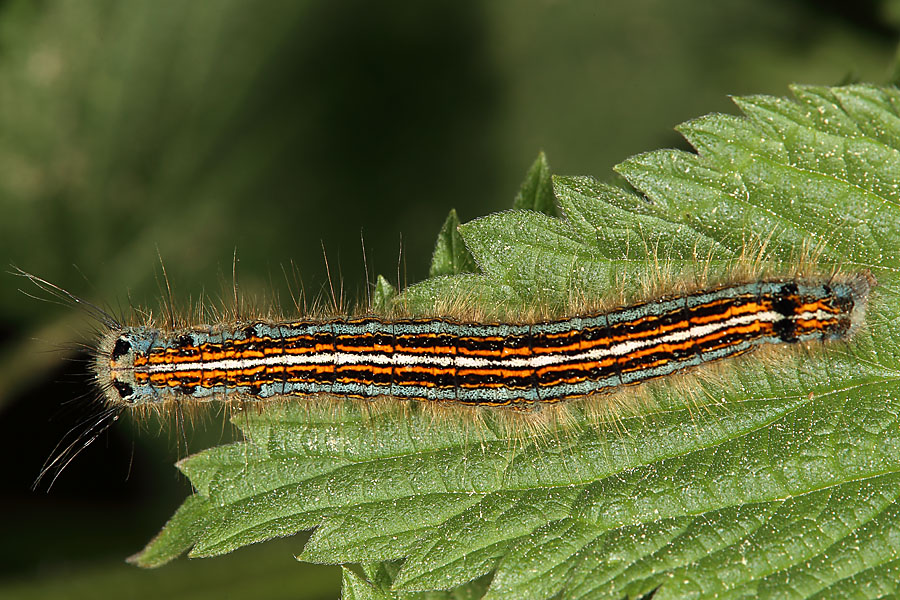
pixel 451 257
pixel 384 296
pixel 785 483
pixel 377 580
pixel 536 192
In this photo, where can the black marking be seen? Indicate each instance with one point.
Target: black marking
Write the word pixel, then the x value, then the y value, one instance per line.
pixel 123 388
pixel 786 304
pixel 121 348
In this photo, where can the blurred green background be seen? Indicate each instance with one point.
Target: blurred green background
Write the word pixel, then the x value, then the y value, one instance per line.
pixel 191 131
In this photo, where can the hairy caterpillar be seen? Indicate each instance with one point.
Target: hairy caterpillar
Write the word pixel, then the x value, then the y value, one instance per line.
pixel 518 365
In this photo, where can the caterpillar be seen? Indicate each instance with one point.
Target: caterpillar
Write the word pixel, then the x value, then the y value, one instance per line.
pixel 442 360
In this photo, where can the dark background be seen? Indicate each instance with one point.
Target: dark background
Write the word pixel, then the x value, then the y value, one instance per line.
pixel 133 131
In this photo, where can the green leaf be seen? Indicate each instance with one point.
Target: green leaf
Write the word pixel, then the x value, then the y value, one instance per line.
pixel 378 580
pixel 785 484
pixel 384 297
pixel 178 535
pixel 536 192
pixel 434 296
pixel 451 257
pixel 355 587
pixel 451 254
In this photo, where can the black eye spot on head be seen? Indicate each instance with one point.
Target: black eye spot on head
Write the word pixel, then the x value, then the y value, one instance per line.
pixel 123 388
pixel 121 348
